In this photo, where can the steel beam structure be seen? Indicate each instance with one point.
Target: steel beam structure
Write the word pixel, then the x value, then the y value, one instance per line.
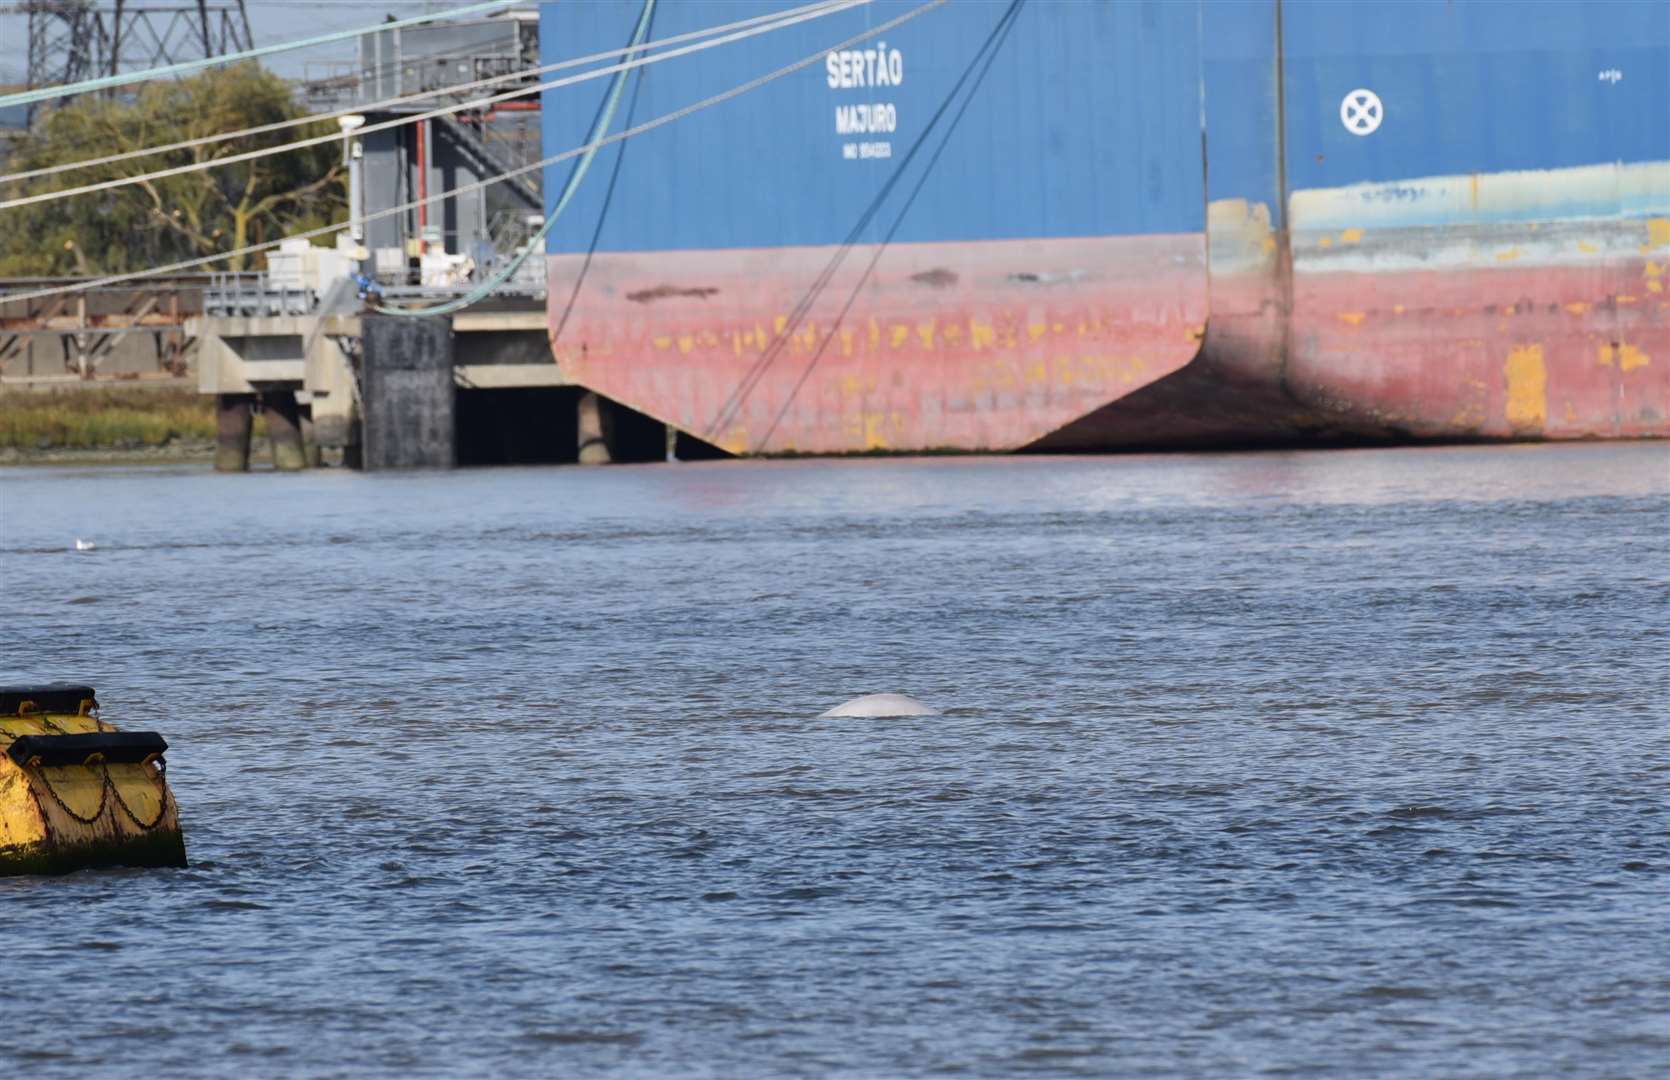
pixel 74 40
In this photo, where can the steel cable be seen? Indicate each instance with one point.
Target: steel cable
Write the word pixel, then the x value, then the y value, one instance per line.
pixel 269 151
pixel 106 82
pixel 993 43
pixel 757 371
pixel 604 119
pixel 566 155
pixel 406 99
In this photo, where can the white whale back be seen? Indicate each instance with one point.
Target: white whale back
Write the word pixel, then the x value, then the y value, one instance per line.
pixel 882 705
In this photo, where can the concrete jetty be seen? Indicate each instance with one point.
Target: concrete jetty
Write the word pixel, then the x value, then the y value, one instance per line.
pixel 394 392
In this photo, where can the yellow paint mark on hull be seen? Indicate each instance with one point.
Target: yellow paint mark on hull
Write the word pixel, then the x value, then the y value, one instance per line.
pixel 1527 405
pixel 1658 232
pixel 874 437
pixel 1630 358
pixel 1350 236
pixel 734 441
pixel 1354 318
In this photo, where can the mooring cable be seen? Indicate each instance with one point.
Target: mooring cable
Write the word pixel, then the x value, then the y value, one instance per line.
pixel 927 170
pixel 463 106
pixel 835 6
pixel 628 133
pixel 769 356
pixel 600 124
pixel 602 217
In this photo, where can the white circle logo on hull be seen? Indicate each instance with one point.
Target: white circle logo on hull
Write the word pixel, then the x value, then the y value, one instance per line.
pixel 1361 112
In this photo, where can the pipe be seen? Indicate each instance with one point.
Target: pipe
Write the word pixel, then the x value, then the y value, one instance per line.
pixel 356 197
pixel 520 107
pixel 422 128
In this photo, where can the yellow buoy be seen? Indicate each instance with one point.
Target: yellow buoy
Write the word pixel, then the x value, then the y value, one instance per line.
pixel 75 792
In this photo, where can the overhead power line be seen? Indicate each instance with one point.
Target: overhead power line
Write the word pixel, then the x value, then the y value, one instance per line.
pixel 462 189
pixel 385 125
pixel 832 6
pixel 108 82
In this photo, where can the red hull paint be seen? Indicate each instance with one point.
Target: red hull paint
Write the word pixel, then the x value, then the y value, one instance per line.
pixel 1505 351
pixel 1543 352
pixel 966 346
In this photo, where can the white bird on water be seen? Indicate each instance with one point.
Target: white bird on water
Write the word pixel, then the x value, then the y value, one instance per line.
pixel 84 545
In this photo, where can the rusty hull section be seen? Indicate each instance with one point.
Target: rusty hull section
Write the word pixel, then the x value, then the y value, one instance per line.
pixel 972 346
pixel 1374 328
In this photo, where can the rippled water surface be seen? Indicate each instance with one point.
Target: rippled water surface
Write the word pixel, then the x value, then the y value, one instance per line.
pixel 1350 763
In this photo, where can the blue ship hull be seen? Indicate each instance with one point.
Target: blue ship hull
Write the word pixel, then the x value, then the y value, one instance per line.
pixel 1066 226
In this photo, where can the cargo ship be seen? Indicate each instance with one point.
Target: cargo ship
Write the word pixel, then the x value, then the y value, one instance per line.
pixel 1077 226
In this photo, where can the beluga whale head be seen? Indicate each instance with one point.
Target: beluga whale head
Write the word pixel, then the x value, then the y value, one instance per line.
pixel 882 705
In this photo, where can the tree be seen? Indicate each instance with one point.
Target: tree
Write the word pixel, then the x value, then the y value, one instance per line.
pixel 160 221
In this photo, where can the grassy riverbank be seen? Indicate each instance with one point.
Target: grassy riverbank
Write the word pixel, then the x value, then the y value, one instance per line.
pixel 90 424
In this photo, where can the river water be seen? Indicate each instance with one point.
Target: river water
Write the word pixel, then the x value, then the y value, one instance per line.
pixel 1351 763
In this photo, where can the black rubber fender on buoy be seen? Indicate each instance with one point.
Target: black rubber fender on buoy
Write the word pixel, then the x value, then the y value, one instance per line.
pixel 77 793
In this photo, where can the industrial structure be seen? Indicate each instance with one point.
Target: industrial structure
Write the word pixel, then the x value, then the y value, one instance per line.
pixel 465 236
pixel 137 330
pixel 74 336
pixel 300 339
pixel 75 40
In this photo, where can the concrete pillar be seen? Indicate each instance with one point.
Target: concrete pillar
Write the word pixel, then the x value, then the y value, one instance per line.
pixel 233 422
pixel 310 439
pixel 609 432
pixel 594 448
pixel 353 451
pixel 284 428
pixel 409 420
